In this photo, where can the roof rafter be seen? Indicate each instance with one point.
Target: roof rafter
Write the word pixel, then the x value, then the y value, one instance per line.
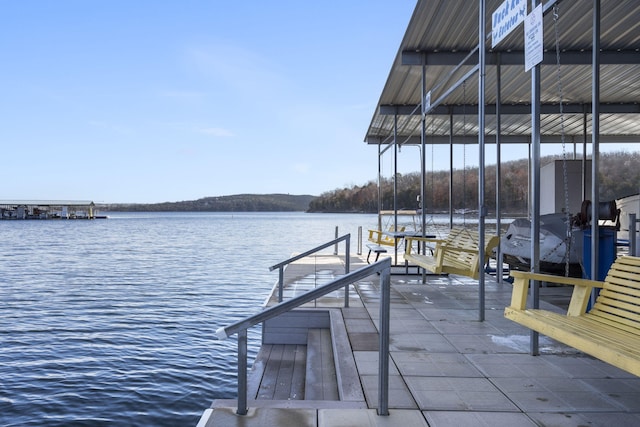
pixel 576 57
pixel 504 139
pixel 506 109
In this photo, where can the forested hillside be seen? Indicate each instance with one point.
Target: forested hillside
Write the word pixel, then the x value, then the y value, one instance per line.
pixel 619 177
pixel 235 203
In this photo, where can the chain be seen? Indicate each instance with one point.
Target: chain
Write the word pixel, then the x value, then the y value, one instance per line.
pixel 464 153
pixel 562 136
pixel 433 167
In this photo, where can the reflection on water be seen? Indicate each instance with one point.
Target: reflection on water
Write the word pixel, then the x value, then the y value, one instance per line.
pixel 112 321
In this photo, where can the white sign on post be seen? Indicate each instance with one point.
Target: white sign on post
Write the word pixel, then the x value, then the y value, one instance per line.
pixel 533 39
pixel 505 18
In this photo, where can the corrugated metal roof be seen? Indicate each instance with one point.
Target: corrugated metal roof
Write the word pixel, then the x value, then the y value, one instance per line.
pixel 442 29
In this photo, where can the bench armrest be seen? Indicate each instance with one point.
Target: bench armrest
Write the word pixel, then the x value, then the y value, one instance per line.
pixel 378 236
pixel 579 298
pixel 409 240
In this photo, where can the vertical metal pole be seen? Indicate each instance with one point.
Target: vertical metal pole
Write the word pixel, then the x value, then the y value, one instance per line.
pixel 633 250
pixel 359 240
pixel 498 168
pixel 481 160
pixel 529 181
pixel 451 170
pixel 423 165
pixel 335 250
pixel 242 372
pixel 535 196
pixel 280 283
pixel 423 152
pixel 395 172
pixel 347 262
pixel 383 352
pixel 584 156
pixel 379 187
pixel 595 137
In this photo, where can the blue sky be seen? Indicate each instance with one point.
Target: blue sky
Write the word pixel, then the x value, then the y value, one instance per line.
pixel 156 100
pixel 150 101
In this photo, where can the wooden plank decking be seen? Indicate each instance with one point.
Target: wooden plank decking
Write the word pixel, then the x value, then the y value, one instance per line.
pixel 320 380
pixel 296 371
pixel 279 372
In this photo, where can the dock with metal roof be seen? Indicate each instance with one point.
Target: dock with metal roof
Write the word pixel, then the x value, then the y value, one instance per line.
pixel 447 368
pixel 451 363
pixel 47 209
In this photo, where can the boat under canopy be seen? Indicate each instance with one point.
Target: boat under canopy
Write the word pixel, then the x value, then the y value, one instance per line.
pixel 555 244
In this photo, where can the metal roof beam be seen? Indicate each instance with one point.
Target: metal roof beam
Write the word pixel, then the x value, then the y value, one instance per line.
pixel 504 139
pixel 581 57
pixel 516 109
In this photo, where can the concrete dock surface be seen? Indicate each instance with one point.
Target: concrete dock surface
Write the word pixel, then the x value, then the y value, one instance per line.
pixel 447 368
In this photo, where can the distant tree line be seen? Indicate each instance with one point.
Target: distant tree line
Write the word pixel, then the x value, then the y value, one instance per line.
pixel 234 203
pixel 619 175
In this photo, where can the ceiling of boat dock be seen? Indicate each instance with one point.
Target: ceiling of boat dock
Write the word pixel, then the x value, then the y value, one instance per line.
pixel 443 32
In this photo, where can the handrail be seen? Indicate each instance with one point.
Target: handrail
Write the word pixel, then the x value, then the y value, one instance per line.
pixel 383 267
pixel 347 256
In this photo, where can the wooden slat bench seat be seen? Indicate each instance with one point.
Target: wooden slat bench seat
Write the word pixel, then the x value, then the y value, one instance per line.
pixel 458 253
pixel 610 331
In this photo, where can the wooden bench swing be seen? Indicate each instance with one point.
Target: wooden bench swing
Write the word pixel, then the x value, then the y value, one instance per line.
pixel 458 253
pixel 610 331
pixel 379 240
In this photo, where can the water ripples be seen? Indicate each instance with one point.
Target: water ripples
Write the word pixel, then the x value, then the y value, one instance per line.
pixel 111 322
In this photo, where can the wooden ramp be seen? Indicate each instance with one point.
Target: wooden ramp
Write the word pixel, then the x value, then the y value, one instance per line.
pixel 320 380
pixel 313 360
pixel 279 372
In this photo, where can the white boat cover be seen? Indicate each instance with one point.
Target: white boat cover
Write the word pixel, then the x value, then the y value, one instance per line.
pixel 516 242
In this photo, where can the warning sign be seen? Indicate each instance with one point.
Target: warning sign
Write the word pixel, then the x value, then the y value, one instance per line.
pixel 533 39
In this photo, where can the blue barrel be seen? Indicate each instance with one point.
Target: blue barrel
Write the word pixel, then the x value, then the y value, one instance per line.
pixel 607 253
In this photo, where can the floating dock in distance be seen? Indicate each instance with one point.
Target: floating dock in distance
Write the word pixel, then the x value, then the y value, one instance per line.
pixel 47 209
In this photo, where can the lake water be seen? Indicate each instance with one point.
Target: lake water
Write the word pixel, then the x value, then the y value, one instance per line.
pixel 111 322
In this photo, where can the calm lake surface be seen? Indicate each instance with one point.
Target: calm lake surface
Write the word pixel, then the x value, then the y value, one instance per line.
pixel 111 322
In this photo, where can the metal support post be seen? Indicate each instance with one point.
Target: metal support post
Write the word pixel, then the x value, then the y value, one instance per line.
pixel 383 355
pixel 280 283
pixel 242 372
pixel 450 170
pixel 481 160
pixel 595 136
pixel 347 262
pixel 535 195
pixel 395 172
pixel 499 257
pixel 633 249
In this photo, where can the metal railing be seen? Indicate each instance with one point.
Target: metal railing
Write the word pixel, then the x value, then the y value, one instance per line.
pixel 347 256
pixel 383 268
